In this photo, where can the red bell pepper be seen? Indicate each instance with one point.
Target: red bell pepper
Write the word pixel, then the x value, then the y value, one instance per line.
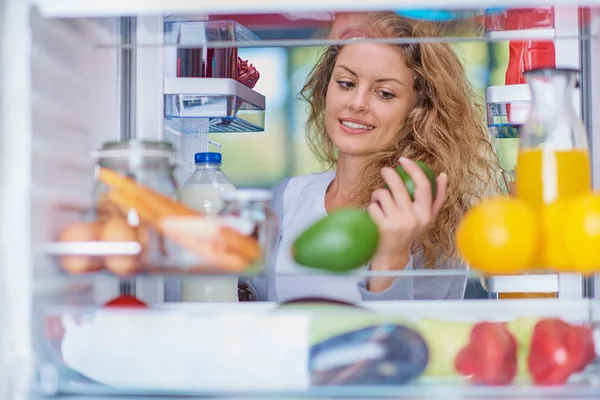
pixel 490 357
pixel 559 349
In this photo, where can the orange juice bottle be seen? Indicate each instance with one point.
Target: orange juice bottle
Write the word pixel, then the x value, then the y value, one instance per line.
pixel 553 161
pixel 545 175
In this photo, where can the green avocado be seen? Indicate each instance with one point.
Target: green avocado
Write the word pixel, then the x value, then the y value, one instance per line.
pixel 410 185
pixel 344 240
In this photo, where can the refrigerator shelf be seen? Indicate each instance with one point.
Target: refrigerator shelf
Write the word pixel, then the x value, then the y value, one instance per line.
pixel 533 282
pixel 507 108
pixel 226 104
pixel 423 390
pixel 91 353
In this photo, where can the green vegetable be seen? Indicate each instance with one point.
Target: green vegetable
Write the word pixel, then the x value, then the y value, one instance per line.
pixel 344 240
pixel 410 185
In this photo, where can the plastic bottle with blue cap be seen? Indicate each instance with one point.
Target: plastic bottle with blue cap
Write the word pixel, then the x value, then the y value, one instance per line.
pixel 203 192
pixel 204 189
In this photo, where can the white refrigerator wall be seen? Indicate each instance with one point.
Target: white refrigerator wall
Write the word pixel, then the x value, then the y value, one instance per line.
pixel 59 101
pixel 74 109
pixel 15 188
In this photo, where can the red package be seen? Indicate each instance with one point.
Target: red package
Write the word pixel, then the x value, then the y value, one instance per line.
pixel 248 75
pixel 490 357
pixel 525 55
pixel 559 349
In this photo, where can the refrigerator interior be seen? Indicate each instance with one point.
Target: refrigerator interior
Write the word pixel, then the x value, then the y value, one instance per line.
pixel 74 77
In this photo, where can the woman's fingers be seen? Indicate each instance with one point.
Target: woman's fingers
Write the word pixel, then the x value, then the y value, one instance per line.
pixel 376 213
pixel 386 202
pixel 396 187
pixel 422 192
pixel 442 193
pixel 396 203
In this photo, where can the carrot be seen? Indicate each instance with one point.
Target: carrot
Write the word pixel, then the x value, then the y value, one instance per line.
pixel 223 245
pixel 162 206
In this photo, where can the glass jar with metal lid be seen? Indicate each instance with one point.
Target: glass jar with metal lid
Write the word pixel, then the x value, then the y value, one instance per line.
pixel 253 205
pixel 250 210
pixel 151 164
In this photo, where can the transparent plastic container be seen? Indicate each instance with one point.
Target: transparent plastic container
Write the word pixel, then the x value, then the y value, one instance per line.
pixel 207 83
pixel 254 205
pixel 314 348
pixel 205 61
pixel 154 233
pixel 151 164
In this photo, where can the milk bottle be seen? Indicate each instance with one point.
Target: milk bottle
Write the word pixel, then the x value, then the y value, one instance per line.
pixel 202 192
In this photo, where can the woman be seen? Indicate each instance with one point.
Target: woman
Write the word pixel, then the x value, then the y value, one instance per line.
pixel 373 106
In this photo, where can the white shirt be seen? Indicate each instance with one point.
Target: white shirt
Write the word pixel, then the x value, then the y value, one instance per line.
pixel 303 205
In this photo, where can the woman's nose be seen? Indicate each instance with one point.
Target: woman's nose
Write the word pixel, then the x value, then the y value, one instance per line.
pixel 358 102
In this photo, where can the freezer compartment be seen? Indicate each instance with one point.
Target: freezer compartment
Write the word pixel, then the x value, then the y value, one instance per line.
pixel 307 349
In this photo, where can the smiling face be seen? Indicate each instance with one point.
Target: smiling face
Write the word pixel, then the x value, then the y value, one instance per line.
pixel 368 97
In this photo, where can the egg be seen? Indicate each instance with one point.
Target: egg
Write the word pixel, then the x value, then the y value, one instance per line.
pixel 80 232
pixel 118 230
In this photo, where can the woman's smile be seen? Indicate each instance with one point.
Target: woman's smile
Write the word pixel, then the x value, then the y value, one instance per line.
pixel 355 126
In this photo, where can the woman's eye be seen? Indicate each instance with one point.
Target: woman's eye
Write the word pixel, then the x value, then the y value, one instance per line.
pixel 384 94
pixel 345 84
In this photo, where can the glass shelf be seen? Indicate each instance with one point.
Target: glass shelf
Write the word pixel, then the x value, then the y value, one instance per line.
pixel 431 390
pixel 321 42
pixel 191 32
pixel 70 8
pixel 535 281
pixel 58 249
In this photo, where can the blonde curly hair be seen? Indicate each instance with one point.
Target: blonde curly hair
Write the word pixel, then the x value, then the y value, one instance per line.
pixel 444 128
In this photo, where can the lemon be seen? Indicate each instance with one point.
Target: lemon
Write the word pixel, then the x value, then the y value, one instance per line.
pixel 499 236
pixel 581 233
pixel 553 252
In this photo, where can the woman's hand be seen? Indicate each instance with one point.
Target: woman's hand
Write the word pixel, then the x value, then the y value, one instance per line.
pixel 400 220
